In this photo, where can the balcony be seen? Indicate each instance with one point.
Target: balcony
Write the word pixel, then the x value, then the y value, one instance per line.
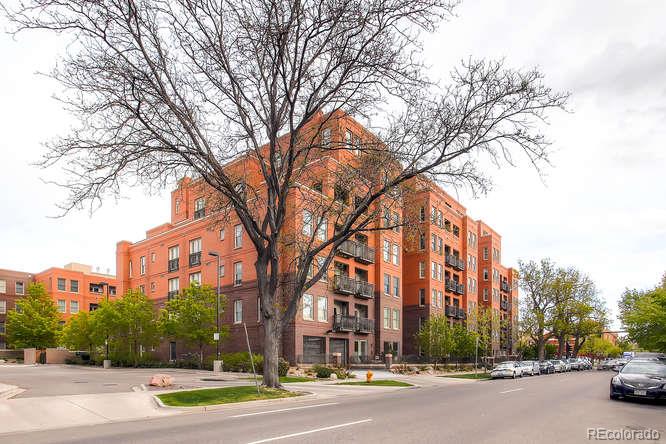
pixel 195 259
pixel 172 294
pixel 450 285
pixel 200 213
pixel 460 289
pixel 344 284
pixel 365 289
pixel 505 286
pixel 365 325
pixel 461 313
pixel 450 311
pixel 455 262
pixel 344 323
pixel 347 248
pixel 504 305
pixel 173 265
pixel 365 254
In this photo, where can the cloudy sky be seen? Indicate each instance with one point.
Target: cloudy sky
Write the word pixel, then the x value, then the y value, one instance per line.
pixel 600 207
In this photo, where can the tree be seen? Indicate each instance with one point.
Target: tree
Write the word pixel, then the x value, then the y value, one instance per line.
pixel 130 323
pixel 190 316
pixel 643 313
pixel 482 322
pixel 464 341
pixel 35 322
pixel 82 333
pixel 538 300
pixel 435 338
pixel 167 88
pixel 597 348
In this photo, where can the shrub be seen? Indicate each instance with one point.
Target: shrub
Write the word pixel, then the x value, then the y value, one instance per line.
pixel 283 367
pixel 322 371
pixel 240 362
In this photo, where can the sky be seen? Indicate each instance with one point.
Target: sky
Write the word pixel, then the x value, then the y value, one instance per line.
pixel 599 207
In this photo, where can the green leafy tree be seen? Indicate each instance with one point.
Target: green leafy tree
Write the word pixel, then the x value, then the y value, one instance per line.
pixel 643 314
pixel 435 338
pixel 597 348
pixel 36 324
pixel 190 317
pixel 130 324
pixel 82 333
pixel 464 341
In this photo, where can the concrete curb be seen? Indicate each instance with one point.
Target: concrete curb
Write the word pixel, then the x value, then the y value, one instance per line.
pixel 229 405
pixel 9 391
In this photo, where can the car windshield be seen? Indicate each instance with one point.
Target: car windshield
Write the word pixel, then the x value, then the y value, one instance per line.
pixel 645 367
pixel 528 362
pixel 505 365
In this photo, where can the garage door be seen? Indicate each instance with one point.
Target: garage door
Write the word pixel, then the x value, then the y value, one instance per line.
pixel 314 350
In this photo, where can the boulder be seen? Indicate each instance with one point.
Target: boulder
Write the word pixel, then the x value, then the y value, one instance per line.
pixel 333 377
pixel 161 380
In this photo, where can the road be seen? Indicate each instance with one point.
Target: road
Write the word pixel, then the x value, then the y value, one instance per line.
pixel 555 408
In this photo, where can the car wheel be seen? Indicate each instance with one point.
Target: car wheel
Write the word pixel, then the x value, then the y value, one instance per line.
pixel 514 375
pixel 614 397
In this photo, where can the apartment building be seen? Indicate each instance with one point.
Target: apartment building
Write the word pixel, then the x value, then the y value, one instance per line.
pixel 13 286
pixel 76 287
pixel 452 266
pixel 354 310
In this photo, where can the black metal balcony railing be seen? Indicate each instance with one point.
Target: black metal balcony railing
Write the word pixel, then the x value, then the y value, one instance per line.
pixel 195 259
pixel 344 284
pixel 365 289
pixel 347 248
pixel 353 323
pixel 172 294
pixel 460 288
pixel 504 305
pixel 505 286
pixel 461 313
pixel 198 214
pixel 450 311
pixel 365 254
pixel 344 322
pixel 450 285
pixel 173 265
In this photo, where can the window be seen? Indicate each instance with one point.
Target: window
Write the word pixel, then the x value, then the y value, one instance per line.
pixel 307 223
pixel 2 331
pixel 153 287
pixel 174 287
pixel 387 284
pixel 238 273
pixel 321 263
pixel 396 222
pixel 496 254
pixel 221 233
pixel 396 286
pixel 174 252
pixel 386 251
pixel 73 307
pixel 142 289
pixel 322 230
pixel 485 253
pixel 440 298
pixel 422 297
pixel 387 316
pixel 19 287
pixel 238 236
pixel 387 218
pixel 62 306
pixel 195 246
pixel 456 231
pixel 142 265
pixel 396 254
pixel 325 137
pixel 199 208
pixel 495 275
pixel 433 301
pixel 322 309
pixel 422 214
pixel 152 257
pixel 433 273
pixel 195 278
pixel 221 270
pixel 348 138
pixel 3 307
pixel 238 311
pixel 434 243
pixel 485 294
pixel 396 319
pixel 422 241
pixel 422 270
pixel 3 286
pixel 308 310
pixel 62 284
pixel 485 274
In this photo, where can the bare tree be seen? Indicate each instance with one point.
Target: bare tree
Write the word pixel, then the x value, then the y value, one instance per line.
pixel 165 88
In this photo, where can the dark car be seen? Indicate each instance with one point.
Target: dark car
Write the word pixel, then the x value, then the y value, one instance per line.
pixel 640 379
pixel 546 367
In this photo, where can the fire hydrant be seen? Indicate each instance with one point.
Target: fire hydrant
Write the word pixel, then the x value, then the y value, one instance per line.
pixel 368 377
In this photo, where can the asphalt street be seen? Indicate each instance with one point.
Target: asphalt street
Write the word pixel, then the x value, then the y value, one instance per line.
pixel 545 409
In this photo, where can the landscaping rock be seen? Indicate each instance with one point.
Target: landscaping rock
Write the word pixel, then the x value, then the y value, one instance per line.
pixel 333 377
pixel 160 380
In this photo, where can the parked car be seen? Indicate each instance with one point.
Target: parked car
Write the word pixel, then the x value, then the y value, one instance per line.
pixel 619 363
pixel 567 365
pixel 640 379
pixel 546 367
pixel 558 365
pixel 587 364
pixel 530 367
pixel 573 363
pixel 508 369
pixel 608 364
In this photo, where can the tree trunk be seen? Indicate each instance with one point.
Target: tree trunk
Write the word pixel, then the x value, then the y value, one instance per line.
pixel 561 346
pixel 541 349
pixel 201 358
pixel 272 338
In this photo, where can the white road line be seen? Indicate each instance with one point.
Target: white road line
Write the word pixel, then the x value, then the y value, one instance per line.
pixel 307 432
pixel 513 390
pixel 283 410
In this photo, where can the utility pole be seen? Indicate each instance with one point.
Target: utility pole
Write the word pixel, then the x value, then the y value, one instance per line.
pixel 217 366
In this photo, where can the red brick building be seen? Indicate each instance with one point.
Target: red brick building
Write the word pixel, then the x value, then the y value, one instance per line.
pixel 13 286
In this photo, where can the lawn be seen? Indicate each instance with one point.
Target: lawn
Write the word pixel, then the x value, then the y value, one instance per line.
pixel 288 379
pixel 480 376
pixel 378 383
pixel 224 395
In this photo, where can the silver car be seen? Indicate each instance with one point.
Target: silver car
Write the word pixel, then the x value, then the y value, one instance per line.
pixel 530 368
pixel 506 369
pixel 558 365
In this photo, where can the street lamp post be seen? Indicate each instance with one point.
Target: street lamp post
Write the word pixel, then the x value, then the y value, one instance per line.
pixel 107 361
pixel 217 365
